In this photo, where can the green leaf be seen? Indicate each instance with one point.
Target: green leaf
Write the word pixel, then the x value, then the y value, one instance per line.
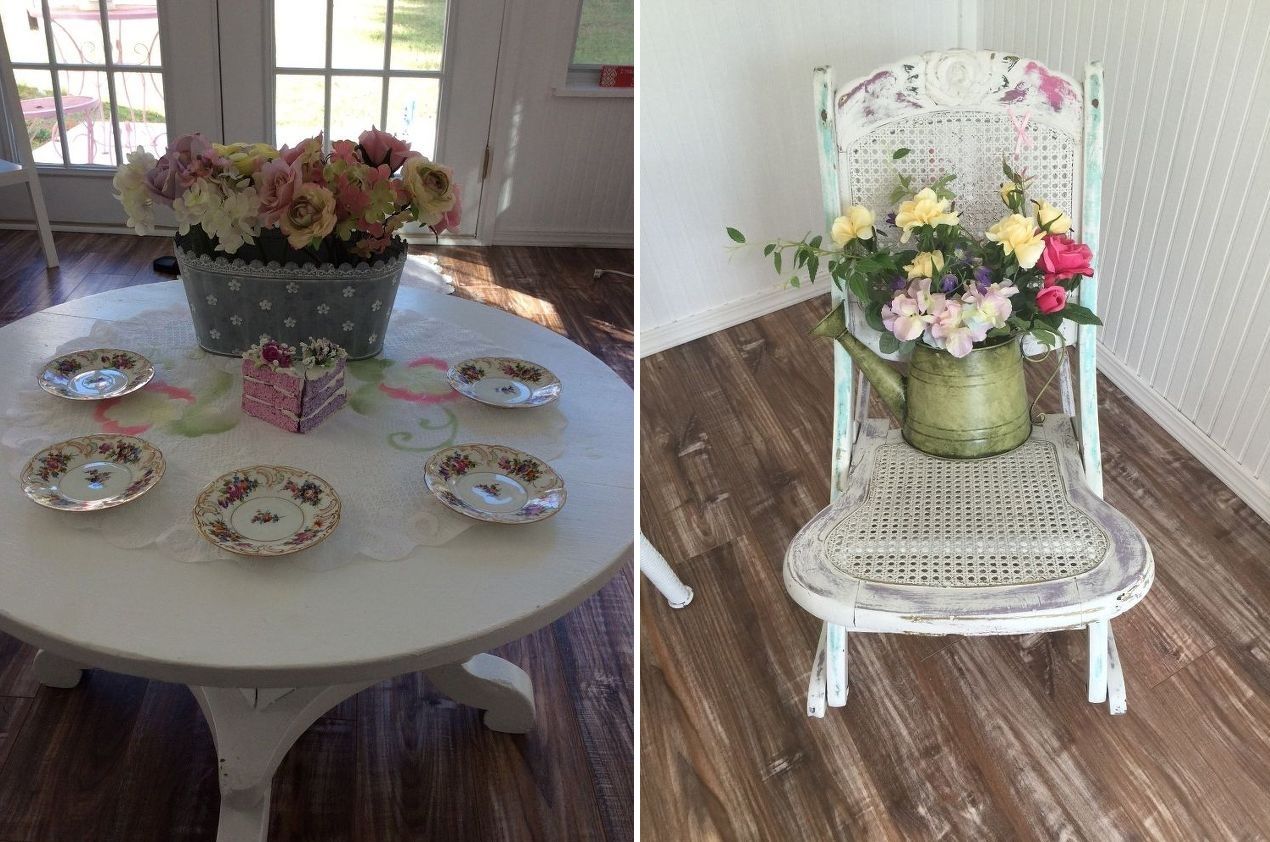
pixel 873 317
pixel 859 286
pixel 800 259
pixel 815 242
pixel 887 343
pixel 794 282
pixel 768 249
pixel 776 258
pixel 1081 315
pixel 813 266
pixel 736 235
pixel 899 153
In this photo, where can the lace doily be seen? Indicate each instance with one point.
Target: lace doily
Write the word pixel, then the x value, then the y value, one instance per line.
pixel 400 409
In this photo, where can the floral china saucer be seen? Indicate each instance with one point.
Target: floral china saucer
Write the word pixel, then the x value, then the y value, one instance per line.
pixel 504 381
pixel 92 473
pixel 96 374
pixel 494 483
pixel 267 510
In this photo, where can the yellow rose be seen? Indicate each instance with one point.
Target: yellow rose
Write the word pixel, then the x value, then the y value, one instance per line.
pixel 925 264
pixel 246 158
pixel 311 215
pixel 856 225
pixel 1018 235
pixel 1050 218
pixel 923 209
pixel 430 187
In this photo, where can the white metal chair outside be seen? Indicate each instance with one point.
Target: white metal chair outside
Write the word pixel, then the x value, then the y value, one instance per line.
pixel 1058 557
pixel 24 170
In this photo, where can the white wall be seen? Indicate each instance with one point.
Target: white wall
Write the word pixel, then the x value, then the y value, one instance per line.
pixel 1185 264
pixel 727 137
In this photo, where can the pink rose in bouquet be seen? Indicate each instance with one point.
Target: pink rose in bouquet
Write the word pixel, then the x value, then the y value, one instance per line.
pixel 189 158
pixel 1051 299
pixel 379 147
pixel 275 186
pixel 1065 258
pixel 311 215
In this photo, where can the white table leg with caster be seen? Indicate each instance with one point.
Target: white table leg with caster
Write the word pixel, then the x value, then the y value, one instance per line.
pixel 654 565
pixel 253 730
pixel 54 671
pixel 500 688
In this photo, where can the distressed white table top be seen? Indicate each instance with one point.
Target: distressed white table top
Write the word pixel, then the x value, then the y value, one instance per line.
pixel 268 623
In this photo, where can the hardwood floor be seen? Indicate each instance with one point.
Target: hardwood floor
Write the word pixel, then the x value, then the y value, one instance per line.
pixel 942 738
pixel 122 759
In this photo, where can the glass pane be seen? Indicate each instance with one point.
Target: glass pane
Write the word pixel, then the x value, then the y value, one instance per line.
pixel 412 112
pixel 297 108
pixel 134 31
pixel 354 105
pixel 140 113
pixel 86 106
pixel 606 33
pixel 418 34
pixel 359 34
pixel 24 31
pixel 77 31
pixel 35 89
pixel 299 33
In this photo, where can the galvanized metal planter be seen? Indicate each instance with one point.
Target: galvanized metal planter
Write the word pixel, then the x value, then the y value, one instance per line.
pixel 234 302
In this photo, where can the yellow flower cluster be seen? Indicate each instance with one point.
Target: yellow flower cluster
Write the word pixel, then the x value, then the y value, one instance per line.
pixel 856 224
pixel 925 208
pixel 1020 236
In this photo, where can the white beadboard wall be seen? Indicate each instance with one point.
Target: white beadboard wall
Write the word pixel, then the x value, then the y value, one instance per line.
pixel 1185 261
pixel 563 166
pixel 727 137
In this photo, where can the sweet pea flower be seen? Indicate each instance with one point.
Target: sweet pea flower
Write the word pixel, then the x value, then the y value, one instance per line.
pixel 855 224
pixel 989 306
pixel 925 208
pixel 925 264
pixel 1065 258
pixel 911 310
pixel 952 332
pixel 275 184
pixel 1051 299
pixel 1019 236
pixel 983 277
pixel 380 147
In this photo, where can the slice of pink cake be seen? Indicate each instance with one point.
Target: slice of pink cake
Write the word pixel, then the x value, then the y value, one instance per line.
pixel 295 392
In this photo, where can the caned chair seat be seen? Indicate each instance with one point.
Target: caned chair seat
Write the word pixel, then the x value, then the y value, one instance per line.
pixel 1011 543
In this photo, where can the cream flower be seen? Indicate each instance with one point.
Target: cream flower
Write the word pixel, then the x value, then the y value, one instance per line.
pixel 192 206
pixel 856 224
pixel 430 187
pixel 130 190
pixel 1019 236
pixel 923 209
pixel 1051 219
pixel 311 215
pixel 925 264
pixel 236 221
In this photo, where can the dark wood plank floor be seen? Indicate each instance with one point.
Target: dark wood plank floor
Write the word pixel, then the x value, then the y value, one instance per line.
pixel 942 738
pixel 122 759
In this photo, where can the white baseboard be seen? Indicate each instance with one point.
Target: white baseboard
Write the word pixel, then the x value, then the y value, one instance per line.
pixel 81 228
pixel 696 325
pixel 581 239
pixel 1238 477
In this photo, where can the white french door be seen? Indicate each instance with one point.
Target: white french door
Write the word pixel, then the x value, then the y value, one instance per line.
pixel 100 77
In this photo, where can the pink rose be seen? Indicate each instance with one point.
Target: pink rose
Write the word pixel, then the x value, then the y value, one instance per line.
pixel 306 151
pixel 346 151
pixel 450 219
pixel 1065 258
pixel 380 147
pixel 275 186
pixel 188 158
pixel 1051 299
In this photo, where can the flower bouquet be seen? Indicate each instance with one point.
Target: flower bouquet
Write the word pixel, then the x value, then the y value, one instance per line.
pixel 959 304
pixel 294 242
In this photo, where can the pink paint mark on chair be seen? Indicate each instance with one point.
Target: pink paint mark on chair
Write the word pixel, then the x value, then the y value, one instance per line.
pixel 1022 140
pixel 1055 89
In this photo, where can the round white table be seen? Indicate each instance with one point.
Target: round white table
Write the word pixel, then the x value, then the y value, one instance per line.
pixel 267 647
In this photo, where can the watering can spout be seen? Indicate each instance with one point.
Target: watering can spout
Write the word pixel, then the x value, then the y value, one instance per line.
pixel 887 382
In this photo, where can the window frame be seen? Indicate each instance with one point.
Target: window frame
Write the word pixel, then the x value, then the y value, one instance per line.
pixel 584 79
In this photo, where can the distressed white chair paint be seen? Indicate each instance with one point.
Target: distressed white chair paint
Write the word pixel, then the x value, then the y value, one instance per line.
pixel 654 565
pixel 268 646
pixel 23 171
pixel 1064 559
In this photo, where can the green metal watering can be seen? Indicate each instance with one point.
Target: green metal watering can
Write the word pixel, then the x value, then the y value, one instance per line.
pixel 963 408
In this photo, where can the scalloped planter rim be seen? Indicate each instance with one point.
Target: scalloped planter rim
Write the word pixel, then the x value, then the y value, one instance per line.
pixel 234 302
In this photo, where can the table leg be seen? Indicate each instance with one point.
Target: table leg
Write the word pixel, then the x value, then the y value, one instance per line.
pixel 53 671
pixel 253 729
pixel 500 688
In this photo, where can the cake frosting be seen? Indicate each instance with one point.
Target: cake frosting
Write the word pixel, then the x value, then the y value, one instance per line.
pixel 295 391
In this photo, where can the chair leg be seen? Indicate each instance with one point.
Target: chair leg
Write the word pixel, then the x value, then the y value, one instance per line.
pixel 1098 661
pixel 816 685
pixel 42 221
pixel 836 665
pixel 654 565
pixel 1115 678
